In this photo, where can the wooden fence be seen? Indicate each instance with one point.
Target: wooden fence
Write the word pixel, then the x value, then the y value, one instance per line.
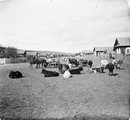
pixel 12 60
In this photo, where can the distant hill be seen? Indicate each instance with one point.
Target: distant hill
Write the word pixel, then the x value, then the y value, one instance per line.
pixel 52 52
pixel 45 52
pixel 21 51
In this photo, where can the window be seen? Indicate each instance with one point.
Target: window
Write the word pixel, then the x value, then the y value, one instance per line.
pixel 117 51
pixel 127 50
pixel 99 53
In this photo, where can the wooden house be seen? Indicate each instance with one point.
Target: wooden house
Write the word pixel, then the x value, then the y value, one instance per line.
pixel 86 53
pixel 30 53
pixel 21 53
pixel 102 50
pixel 122 47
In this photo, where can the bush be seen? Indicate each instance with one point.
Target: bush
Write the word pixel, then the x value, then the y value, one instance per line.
pixel 18 60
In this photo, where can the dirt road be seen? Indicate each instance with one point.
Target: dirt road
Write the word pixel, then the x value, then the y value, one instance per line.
pixel 35 96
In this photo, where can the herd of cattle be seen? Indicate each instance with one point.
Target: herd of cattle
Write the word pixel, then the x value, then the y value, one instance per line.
pixel 72 66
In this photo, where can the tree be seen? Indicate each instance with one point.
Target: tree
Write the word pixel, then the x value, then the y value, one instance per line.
pixel 2 49
pixel 10 52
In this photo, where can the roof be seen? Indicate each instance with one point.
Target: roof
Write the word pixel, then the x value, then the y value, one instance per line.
pixel 31 53
pixel 42 53
pixel 87 51
pixel 108 49
pixel 122 42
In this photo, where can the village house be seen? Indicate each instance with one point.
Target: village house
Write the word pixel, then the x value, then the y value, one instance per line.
pixel 102 50
pixel 86 53
pixel 21 53
pixel 122 47
pixel 30 53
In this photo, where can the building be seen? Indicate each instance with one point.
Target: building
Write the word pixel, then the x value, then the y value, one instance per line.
pixel 102 50
pixel 42 54
pixel 21 53
pixel 30 53
pixel 86 53
pixel 122 47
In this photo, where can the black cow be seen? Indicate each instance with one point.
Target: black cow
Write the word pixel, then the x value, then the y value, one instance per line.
pixel 48 73
pixel 15 74
pixel 110 67
pixel 76 71
pixel 73 61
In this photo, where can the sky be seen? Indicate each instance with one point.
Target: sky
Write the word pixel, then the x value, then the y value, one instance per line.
pixel 63 25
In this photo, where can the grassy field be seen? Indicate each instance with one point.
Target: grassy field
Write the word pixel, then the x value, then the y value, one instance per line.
pixel 86 96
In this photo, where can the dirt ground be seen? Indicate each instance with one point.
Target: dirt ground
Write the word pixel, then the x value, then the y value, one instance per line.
pixel 34 96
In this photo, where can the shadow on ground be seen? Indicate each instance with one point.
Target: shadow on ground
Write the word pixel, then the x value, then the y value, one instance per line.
pixel 115 74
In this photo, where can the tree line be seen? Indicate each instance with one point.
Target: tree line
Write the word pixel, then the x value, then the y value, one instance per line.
pixel 8 52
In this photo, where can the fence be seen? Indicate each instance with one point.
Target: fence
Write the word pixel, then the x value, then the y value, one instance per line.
pixel 12 60
pixel 2 61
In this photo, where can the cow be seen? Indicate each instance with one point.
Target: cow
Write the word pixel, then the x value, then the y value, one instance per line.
pixel 67 74
pixel 15 74
pixel 73 61
pixel 48 73
pixel 45 65
pixel 37 61
pixel 32 62
pixel 110 67
pixel 117 63
pixel 62 68
pixel 99 69
pixel 76 71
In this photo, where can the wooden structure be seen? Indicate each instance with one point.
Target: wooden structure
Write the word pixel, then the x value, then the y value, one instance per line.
pixel 87 52
pixel 21 53
pixel 122 47
pixel 30 53
pixel 102 50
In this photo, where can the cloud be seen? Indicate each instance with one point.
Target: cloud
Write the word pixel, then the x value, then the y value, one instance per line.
pixel 63 25
pixel 128 2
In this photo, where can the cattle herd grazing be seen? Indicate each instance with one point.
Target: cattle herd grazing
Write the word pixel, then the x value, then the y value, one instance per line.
pixel 71 66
